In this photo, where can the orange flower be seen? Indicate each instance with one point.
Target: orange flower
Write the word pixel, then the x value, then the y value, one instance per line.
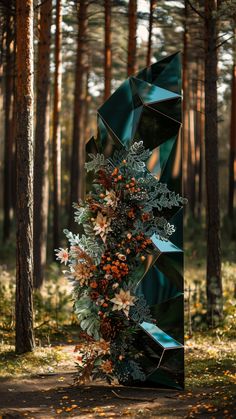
pixel 93 284
pixel 107 366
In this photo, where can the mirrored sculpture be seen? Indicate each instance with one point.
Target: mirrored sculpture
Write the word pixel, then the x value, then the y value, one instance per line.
pixel 147 107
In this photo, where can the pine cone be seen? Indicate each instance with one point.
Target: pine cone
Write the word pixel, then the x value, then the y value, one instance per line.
pixel 108 329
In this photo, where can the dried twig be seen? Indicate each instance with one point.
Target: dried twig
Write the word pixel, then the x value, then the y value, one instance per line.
pixel 137 399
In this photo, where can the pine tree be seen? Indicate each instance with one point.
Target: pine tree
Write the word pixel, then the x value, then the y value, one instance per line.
pixel 8 140
pixel 24 166
pixel 232 149
pixel 78 143
pixel 132 23
pixel 214 282
pixel 57 127
pixel 150 28
pixel 107 49
pixel 41 152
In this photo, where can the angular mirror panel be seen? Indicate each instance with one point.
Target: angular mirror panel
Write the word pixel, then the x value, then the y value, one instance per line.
pixel 150 93
pixel 154 128
pixel 170 108
pixel 156 287
pixel 170 316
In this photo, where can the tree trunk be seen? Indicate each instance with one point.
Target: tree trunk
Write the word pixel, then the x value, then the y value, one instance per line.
pixel 214 283
pixel 57 128
pixel 107 50
pixel 185 102
pixel 87 99
pixel 191 158
pixel 41 152
pixel 149 48
pixel 78 143
pixel 232 150
pixel 8 147
pixel 24 183
pixel 132 23
pixel 199 137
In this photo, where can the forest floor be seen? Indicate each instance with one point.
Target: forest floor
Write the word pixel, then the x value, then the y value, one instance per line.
pixel 41 385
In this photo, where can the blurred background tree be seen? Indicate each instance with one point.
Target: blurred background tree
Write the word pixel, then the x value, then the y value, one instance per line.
pixel 83 50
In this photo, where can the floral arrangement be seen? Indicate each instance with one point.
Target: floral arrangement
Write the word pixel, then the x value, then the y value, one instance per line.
pixel 118 217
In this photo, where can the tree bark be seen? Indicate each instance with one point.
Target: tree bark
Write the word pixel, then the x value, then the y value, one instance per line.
pixel 214 282
pixel 185 101
pixel 8 140
pixel 78 143
pixel 56 128
pixel 24 183
pixel 132 23
pixel 232 150
pixel 107 50
pixel 199 137
pixel 41 152
pixel 149 48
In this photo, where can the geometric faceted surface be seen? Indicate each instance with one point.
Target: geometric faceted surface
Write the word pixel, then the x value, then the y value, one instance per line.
pixel 147 107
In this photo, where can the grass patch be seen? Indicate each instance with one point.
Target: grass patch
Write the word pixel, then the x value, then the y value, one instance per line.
pixel 40 361
pixel 211 369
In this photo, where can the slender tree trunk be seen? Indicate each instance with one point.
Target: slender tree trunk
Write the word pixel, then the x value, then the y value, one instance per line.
pixel 214 283
pixel 199 137
pixel 232 150
pixel 78 143
pixel 107 50
pixel 132 23
pixel 8 147
pixel 24 164
pixel 185 102
pixel 41 152
pixel 13 125
pixel 149 48
pixel 191 159
pixel 87 100
pixel 57 128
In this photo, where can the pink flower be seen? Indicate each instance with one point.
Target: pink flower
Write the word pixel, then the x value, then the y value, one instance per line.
pixel 62 255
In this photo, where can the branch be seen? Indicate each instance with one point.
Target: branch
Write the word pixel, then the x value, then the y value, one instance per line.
pixel 224 42
pixel 132 398
pixel 195 10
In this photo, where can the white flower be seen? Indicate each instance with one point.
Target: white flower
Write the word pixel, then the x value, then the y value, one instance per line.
pixel 111 199
pixel 102 226
pixel 123 301
pixel 62 255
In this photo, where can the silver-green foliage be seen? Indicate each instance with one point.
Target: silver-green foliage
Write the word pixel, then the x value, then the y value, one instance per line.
pixel 87 313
